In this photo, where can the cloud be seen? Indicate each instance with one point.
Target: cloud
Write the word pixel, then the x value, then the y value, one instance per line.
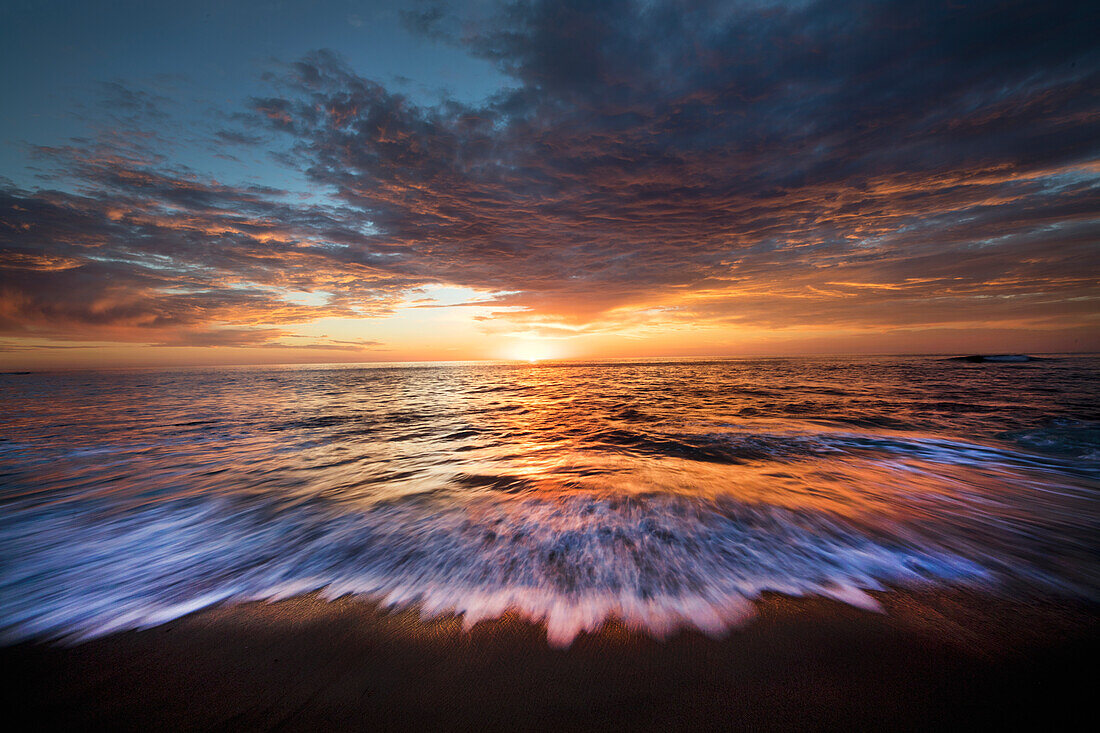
pixel 154 257
pixel 235 337
pixel 646 149
pixel 843 164
pixel 236 137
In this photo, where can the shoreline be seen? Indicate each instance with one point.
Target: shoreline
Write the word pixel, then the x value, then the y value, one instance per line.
pixel 932 658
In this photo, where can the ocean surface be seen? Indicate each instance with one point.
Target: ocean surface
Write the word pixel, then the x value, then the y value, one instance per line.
pixel 665 493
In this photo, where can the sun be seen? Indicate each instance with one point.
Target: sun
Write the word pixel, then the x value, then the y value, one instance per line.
pixel 531 350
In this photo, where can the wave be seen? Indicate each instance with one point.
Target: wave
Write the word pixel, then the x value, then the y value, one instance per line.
pixel 656 558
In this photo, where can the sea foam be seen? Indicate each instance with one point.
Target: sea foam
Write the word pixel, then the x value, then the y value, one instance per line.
pixel 656 560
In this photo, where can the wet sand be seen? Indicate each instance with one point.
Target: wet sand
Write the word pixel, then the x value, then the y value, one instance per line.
pixel 933 659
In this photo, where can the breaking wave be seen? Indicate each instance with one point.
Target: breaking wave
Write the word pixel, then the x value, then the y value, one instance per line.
pixel 657 559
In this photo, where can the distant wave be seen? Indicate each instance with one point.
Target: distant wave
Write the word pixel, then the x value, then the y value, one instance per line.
pixel 996 358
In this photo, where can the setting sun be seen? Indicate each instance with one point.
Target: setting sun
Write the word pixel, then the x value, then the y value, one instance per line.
pixel 533 350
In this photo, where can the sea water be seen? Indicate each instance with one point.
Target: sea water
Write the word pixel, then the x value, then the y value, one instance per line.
pixel 665 493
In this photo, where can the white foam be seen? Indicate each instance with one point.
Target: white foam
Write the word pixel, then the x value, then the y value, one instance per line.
pixel 657 562
pixel 570 558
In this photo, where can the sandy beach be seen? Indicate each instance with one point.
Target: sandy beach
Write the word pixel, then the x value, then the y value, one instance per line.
pixel 932 659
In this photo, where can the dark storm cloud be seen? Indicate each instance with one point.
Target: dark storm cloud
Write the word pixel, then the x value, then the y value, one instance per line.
pixel 782 164
pixel 651 146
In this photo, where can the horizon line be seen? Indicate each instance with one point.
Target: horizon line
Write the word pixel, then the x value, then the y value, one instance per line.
pixel 531 362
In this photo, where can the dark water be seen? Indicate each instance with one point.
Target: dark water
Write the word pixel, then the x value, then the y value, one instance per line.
pixel 666 493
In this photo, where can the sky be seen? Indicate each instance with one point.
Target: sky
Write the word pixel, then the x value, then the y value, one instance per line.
pixel 338 181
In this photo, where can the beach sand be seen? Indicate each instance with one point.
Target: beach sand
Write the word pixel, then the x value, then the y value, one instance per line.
pixel 944 659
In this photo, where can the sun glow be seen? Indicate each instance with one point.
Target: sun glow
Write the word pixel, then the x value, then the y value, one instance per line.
pixel 532 350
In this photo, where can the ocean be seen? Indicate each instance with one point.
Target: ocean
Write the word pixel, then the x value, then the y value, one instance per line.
pixel 664 493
